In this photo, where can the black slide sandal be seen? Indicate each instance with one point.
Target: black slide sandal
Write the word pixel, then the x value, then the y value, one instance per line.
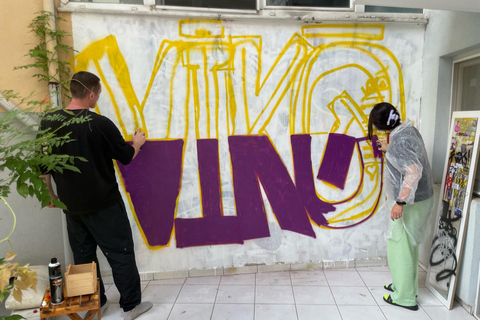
pixel 389 300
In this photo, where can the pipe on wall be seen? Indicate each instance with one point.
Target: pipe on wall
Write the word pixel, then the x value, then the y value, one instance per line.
pixel 54 87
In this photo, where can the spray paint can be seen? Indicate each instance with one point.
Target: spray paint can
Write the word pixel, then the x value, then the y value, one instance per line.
pixel 56 281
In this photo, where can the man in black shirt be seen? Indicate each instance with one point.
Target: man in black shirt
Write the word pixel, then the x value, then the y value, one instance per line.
pixel 96 214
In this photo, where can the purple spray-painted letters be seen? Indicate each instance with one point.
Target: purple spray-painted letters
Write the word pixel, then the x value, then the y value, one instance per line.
pixel 153 182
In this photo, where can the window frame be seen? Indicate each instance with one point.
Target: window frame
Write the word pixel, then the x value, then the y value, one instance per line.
pixel 356 13
pixel 293 8
pixel 201 9
pixel 458 65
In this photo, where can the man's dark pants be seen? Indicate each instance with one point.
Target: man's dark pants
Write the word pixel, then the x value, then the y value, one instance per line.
pixel 110 230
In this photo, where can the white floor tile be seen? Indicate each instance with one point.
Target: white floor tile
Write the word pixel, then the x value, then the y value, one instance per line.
pixel 377 294
pixel 274 295
pixel 399 313
pixel 144 285
pixel 308 278
pixel 180 281
pixel 316 312
pixel 191 312
pixel 161 294
pixel 359 296
pixel 361 313
pixel 442 313
pixel 275 312
pixel 114 296
pixel 236 294
pixel 274 279
pixel 107 280
pixel 204 280
pixel 427 299
pixel 376 269
pixel 313 295
pixel 343 278
pixel 158 312
pixel 239 279
pixel 197 294
pixel 352 294
pixel 233 312
pixel 376 279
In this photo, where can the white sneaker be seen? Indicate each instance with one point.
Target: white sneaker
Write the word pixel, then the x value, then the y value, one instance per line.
pixel 138 310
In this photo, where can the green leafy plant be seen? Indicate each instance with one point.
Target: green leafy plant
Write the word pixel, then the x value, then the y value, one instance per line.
pixel 25 154
pixel 43 58
pixel 25 150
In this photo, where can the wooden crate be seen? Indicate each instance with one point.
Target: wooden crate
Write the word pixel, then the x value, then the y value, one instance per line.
pixel 81 279
pixel 71 306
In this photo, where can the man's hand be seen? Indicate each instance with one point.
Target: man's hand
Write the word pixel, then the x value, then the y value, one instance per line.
pixel 48 181
pixel 397 212
pixel 50 204
pixel 139 138
pixel 138 141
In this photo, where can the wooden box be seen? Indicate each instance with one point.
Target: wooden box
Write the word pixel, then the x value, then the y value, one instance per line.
pixel 81 279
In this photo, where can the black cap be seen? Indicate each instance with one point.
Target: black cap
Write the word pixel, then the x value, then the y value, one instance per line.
pixel 54 260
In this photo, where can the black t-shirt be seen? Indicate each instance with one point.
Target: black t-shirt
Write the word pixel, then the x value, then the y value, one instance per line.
pixel 99 141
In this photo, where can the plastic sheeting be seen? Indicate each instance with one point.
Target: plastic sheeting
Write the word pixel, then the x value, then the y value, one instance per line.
pixel 408 177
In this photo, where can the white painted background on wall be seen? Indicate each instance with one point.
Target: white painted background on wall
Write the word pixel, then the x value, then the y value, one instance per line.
pixel 139 40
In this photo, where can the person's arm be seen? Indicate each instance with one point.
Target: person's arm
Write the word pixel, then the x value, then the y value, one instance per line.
pixel 412 177
pixel 118 148
pixel 410 184
pixel 48 181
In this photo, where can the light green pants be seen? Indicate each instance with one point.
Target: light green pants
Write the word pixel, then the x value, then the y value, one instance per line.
pixel 403 262
pixel 402 250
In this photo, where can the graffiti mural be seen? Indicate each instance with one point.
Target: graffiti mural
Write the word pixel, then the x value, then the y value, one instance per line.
pixel 253 130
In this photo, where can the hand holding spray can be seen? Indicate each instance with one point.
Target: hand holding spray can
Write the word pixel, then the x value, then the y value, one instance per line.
pixel 56 281
pixel 379 146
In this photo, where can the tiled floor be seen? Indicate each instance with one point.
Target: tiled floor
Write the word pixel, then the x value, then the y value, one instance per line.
pixel 303 295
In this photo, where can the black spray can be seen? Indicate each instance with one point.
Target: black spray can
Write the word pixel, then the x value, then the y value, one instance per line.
pixel 56 281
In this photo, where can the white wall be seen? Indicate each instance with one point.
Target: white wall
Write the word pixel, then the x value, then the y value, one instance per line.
pixel 447 35
pixel 39 232
pixel 38 235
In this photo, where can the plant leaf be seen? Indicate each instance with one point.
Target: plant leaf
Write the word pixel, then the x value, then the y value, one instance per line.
pixel 10 256
pixel 17 294
pixel 5 275
pixel 13 317
pixel 59 204
pixel 22 189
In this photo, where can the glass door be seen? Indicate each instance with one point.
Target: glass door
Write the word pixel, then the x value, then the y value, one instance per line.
pixel 466 94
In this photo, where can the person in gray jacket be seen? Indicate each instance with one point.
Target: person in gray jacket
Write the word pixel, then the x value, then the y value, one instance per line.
pixel 409 191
